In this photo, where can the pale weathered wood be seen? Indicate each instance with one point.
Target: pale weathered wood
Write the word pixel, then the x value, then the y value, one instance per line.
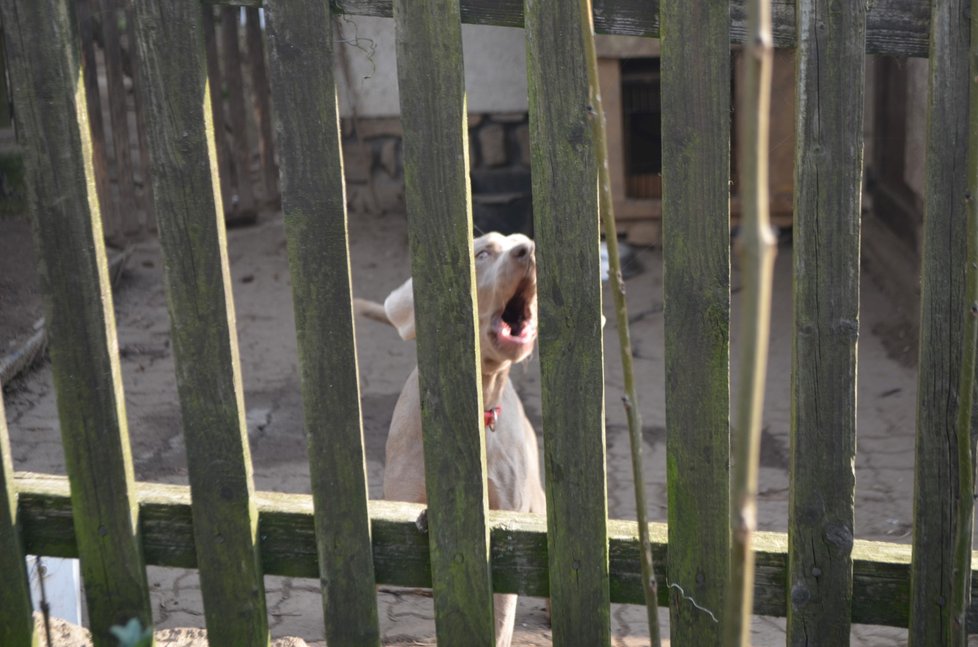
pixel 52 121
pixel 431 82
pixel 894 27
pixel 567 232
pixel 696 256
pixel 936 478
pixel 881 571
pixel 16 619
pixel 313 201
pixel 201 308
pixel 828 198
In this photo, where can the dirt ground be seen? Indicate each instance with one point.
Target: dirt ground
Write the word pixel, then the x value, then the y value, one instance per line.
pixel 886 401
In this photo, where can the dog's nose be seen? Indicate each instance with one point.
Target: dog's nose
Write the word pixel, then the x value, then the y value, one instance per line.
pixel 523 250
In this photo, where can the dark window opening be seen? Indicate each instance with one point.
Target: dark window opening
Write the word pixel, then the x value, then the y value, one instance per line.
pixel 642 127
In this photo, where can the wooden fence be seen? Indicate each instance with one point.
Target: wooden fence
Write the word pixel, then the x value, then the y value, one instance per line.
pixel 817 575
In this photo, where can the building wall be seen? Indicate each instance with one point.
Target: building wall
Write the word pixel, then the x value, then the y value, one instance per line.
pixel 494 59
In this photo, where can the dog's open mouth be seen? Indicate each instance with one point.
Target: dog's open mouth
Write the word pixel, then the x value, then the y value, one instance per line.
pixel 516 325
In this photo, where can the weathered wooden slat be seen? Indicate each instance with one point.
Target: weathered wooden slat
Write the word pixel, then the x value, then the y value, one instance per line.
pixel 967 387
pixel 49 97
pixel 314 203
pixel 696 257
pixel 828 198
pixel 881 571
pixel 428 34
pixel 16 610
pixel 894 27
pixel 190 220
pixel 244 210
pixel 941 306
pixel 567 232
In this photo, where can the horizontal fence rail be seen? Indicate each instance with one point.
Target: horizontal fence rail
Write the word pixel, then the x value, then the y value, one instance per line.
pixel 894 27
pixel 881 571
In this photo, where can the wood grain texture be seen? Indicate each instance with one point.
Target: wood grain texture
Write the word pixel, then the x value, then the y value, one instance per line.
pixel 428 34
pixel 696 258
pixel 894 27
pixel 187 203
pixel 567 232
pixel 244 210
pixel 942 306
pixel 314 203
pixel 881 571
pixel 16 609
pixel 52 121
pixel 828 200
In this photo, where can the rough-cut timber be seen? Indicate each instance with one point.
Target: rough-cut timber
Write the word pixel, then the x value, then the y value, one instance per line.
pixel 696 258
pixel 942 305
pixel 314 204
pixel 428 34
pixel 261 94
pixel 828 198
pixel 894 27
pixel 49 98
pixel 16 619
pixel 244 210
pixel 190 219
pixel 881 571
pixel 567 231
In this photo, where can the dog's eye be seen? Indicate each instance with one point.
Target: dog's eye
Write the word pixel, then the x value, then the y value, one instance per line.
pixel 482 254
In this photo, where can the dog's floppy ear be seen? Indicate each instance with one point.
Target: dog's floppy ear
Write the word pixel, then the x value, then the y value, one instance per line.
pixel 399 306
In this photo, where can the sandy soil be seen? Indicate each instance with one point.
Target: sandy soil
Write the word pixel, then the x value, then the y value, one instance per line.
pixel 380 263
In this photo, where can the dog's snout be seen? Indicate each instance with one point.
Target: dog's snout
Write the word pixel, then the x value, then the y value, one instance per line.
pixel 523 250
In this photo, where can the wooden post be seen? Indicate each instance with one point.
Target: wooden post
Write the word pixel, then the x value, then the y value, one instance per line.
pixel 696 254
pixel 52 119
pixel 111 222
pixel 314 203
pixel 567 230
pixel 216 81
pixel 428 34
pixel 16 609
pixel 827 213
pixel 118 120
pixel 190 219
pixel 244 210
pixel 262 98
pixel 942 302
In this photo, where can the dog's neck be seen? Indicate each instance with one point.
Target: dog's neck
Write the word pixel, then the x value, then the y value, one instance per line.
pixel 494 376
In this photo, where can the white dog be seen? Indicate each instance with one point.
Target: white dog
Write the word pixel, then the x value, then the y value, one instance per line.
pixel 507 300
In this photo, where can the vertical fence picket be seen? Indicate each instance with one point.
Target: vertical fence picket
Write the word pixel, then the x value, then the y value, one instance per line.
pixel 941 302
pixel 828 198
pixel 565 201
pixel 49 97
pixel 190 220
pixel 314 202
pixel 16 612
pixel 432 88
pixel 696 256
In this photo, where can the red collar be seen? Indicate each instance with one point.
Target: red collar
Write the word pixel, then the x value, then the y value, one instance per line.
pixel 491 416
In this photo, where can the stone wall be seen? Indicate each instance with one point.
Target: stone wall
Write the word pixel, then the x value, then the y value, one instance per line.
pixel 374 160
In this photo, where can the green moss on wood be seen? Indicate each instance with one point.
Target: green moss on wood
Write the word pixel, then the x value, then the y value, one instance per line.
pixel 566 225
pixel 436 186
pixel 52 121
pixel 196 278
pixel 313 201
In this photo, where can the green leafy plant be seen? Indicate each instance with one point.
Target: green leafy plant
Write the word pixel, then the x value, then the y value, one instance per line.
pixel 133 634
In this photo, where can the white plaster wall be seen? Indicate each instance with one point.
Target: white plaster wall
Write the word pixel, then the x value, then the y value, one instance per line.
pixel 495 67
